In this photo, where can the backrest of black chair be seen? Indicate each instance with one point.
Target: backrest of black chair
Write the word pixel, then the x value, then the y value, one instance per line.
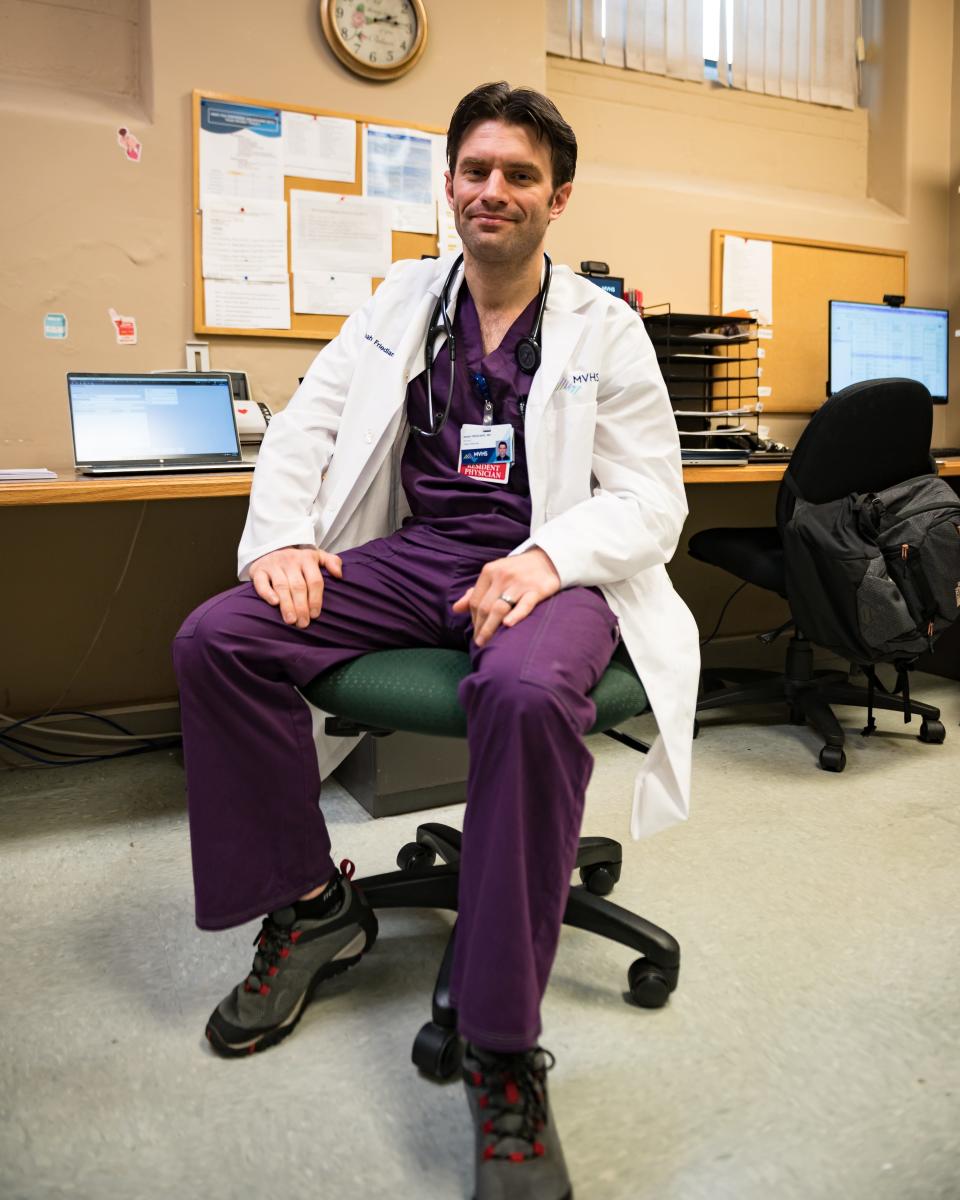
pixel 863 439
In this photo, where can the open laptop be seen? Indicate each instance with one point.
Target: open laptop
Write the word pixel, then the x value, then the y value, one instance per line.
pixel 153 424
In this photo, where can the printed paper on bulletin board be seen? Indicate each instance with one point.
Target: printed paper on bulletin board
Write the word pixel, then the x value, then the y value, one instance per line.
pixel 311 326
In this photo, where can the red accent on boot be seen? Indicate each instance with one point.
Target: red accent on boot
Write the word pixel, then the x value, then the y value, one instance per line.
pixel 539 1149
pixel 273 970
pixel 347 868
pixel 512 1092
pixel 516 1156
pixel 264 989
pixel 488 1152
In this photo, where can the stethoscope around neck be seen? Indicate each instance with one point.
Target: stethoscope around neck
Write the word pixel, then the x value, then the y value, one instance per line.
pixel 527 352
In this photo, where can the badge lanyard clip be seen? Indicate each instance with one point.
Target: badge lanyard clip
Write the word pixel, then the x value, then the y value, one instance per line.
pixel 483 388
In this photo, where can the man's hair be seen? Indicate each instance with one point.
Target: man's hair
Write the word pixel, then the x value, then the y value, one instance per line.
pixel 516 106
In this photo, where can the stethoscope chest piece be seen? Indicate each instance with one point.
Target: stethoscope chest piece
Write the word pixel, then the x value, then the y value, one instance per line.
pixel 528 355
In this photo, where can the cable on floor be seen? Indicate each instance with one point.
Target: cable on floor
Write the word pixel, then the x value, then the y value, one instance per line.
pixel 716 628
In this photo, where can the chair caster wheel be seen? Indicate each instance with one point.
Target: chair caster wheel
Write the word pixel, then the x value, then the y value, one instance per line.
pixel 650 986
pixel 933 732
pixel 413 856
pixel 600 878
pixel 437 1052
pixel 832 758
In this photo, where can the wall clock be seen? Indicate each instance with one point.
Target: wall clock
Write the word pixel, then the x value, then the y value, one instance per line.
pixel 378 39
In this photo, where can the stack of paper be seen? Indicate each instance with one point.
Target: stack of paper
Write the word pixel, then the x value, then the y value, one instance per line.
pixel 12 473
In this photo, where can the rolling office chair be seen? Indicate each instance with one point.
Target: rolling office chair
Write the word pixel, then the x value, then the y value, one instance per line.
pixel 863 439
pixel 416 691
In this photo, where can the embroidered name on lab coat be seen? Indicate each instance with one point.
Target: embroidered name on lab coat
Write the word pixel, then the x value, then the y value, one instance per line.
pixel 379 345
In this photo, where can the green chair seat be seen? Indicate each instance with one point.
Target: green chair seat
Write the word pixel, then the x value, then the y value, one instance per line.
pixel 416 691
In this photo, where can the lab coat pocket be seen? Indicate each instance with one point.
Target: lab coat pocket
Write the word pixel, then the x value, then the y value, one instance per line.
pixel 570 432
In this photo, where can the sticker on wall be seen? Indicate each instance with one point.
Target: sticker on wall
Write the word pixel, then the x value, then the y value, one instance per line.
pixel 55 326
pixel 129 144
pixel 764 391
pixel 764 333
pixel 124 327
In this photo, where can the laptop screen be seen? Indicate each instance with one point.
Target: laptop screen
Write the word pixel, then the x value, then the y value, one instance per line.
pixel 152 418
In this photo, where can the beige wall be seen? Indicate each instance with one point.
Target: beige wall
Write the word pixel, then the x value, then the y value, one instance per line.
pixel 85 230
pixel 663 163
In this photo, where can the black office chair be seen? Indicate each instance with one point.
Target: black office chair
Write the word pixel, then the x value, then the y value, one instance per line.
pixel 416 691
pixel 865 438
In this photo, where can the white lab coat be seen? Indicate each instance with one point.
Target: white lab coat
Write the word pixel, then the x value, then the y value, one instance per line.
pixel 603 463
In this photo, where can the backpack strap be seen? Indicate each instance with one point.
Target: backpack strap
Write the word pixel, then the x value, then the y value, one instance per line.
pixel 790 484
pixel 871 724
pixel 902 688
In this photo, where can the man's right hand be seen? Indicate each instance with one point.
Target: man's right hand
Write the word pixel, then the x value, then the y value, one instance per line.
pixel 291 580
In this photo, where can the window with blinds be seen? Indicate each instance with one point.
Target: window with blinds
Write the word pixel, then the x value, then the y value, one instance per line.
pixel 798 49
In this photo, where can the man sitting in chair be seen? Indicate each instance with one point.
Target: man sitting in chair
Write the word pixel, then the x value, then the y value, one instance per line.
pixel 364 535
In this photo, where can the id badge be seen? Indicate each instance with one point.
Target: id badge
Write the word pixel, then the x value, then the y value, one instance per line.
pixel 486 452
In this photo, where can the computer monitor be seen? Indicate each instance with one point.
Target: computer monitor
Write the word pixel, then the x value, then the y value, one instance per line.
pixel 609 283
pixel 878 341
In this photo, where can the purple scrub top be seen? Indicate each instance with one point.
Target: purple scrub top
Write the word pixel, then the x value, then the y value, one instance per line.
pixel 495 516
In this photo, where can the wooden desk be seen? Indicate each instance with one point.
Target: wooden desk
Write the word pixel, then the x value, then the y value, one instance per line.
pixel 774 472
pixel 71 488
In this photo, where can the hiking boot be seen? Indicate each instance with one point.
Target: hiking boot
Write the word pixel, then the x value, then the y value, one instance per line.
pixel 518 1149
pixel 295 953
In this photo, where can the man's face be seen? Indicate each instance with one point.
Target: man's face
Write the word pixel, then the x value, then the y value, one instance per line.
pixel 501 192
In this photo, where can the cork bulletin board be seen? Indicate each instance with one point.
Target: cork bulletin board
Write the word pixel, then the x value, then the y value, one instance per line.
pixel 315 326
pixel 806 275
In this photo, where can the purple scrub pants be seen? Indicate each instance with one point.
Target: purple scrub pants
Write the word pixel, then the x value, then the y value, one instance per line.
pixel 258 836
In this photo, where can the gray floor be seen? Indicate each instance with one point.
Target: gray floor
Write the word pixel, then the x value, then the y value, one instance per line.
pixel 810 1052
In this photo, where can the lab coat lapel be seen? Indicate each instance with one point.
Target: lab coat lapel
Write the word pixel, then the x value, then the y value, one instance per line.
pixel 379 391
pixel 560 340
pixel 561 335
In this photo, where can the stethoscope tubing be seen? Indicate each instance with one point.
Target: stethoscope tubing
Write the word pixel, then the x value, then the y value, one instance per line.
pixel 446 326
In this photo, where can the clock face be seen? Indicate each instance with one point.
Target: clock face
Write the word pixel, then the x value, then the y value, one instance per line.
pixel 379 35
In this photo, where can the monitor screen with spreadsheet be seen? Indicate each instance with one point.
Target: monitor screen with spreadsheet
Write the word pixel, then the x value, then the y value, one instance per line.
pixel 878 341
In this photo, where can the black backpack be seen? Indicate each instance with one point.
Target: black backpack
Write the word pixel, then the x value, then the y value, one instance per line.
pixel 875 576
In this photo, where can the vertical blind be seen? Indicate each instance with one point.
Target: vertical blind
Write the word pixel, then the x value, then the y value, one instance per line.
pixel 800 49
pixel 662 37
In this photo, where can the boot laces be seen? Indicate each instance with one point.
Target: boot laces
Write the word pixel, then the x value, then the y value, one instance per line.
pixel 514 1103
pixel 273 944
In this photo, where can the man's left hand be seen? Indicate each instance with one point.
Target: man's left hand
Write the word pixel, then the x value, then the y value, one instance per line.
pixel 524 578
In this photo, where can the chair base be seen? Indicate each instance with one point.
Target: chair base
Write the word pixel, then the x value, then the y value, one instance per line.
pixel 809 694
pixel 421 883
